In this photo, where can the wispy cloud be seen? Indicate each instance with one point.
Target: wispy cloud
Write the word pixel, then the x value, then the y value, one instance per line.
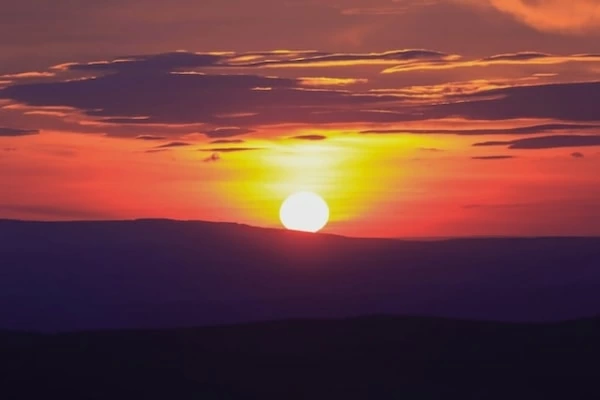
pixel 227 141
pixel 173 144
pixel 321 59
pixel 519 130
pixel 228 131
pixel 151 63
pixel 547 142
pixel 328 81
pixel 185 62
pixel 222 104
pixel 309 137
pixel 491 158
pixel 212 158
pixel 18 132
pixel 554 101
pixel 521 58
pixel 28 75
pixel 150 137
pixel 230 149
pixel 564 16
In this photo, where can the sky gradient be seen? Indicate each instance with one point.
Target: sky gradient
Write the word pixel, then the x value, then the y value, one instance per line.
pixel 411 118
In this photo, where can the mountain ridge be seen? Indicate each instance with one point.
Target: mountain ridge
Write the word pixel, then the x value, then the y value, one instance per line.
pixel 160 274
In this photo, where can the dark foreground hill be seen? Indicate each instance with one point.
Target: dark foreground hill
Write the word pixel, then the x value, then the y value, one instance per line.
pixel 360 358
pixel 161 274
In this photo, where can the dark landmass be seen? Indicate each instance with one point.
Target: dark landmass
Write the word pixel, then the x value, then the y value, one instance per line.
pixel 361 358
pixel 123 293
pixel 64 276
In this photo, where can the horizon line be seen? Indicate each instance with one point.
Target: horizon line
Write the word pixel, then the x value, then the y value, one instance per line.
pixel 283 229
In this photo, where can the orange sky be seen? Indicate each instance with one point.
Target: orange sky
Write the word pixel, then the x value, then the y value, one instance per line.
pixel 411 118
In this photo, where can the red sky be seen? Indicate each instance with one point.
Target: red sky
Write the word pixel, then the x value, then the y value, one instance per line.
pixel 411 118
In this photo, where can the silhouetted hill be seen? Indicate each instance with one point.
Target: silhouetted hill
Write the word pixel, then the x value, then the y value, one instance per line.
pixel 58 276
pixel 360 358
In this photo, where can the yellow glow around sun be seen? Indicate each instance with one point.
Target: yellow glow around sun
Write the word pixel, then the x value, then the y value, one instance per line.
pixel 304 211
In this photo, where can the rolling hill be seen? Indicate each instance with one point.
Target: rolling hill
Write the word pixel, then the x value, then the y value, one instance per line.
pixel 62 276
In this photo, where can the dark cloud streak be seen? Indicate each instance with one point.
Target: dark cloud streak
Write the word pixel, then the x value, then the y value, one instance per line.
pixel 530 129
pixel 173 144
pixel 12 132
pixel 224 132
pixel 309 137
pixel 230 149
pixel 150 137
pixel 227 141
pixel 569 101
pixel 547 142
pixel 145 92
pixel 499 157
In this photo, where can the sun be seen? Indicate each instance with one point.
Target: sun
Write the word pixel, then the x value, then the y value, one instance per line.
pixel 304 211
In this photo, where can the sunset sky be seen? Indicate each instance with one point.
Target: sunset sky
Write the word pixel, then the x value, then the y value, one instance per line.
pixel 410 117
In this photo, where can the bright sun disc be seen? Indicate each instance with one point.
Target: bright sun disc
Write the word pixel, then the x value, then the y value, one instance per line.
pixel 304 211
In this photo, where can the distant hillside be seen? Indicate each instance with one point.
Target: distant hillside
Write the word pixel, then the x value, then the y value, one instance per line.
pixel 161 273
pixel 361 358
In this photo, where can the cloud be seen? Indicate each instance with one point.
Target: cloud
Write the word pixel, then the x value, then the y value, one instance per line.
pixel 522 56
pixel 569 101
pixel 501 157
pixel 230 149
pixel 223 105
pixel 17 132
pixel 564 16
pixel 152 151
pixel 212 158
pixel 227 131
pixel 9 149
pixel 577 155
pixel 227 141
pixel 418 59
pixel 174 99
pixel 173 144
pixel 28 75
pixel 547 142
pixel 529 129
pixel 403 60
pixel 150 137
pixel 309 137
pixel 321 59
pixel 182 62
pixel 164 98
pixel 533 57
pixel 440 91
pixel 519 58
pixel 328 81
pixel 492 143
pixel 221 102
pixel 151 63
pixel 430 149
